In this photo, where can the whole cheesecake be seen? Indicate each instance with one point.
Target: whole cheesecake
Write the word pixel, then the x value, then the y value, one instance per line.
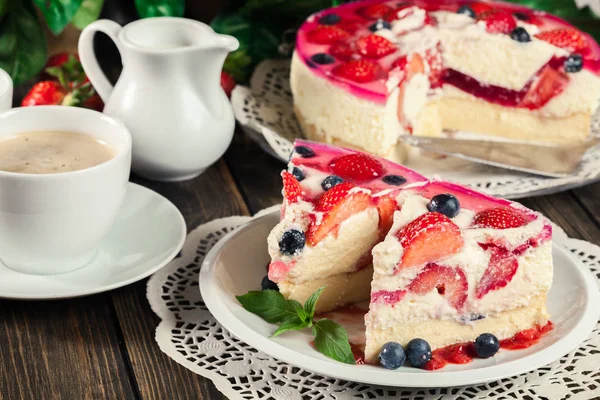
pixel 366 72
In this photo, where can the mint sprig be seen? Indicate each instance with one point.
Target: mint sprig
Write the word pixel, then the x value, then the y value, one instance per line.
pixel 331 339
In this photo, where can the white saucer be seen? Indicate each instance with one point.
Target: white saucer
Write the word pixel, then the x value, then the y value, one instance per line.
pixel 148 233
pixel 238 262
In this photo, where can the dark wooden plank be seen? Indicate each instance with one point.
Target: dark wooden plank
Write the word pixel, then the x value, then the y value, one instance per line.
pixel 589 198
pixel 63 349
pixel 209 196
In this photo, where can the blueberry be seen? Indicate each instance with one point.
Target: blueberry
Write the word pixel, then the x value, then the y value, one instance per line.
pixel 467 11
pixel 329 19
pixel 486 345
pixel 395 180
pixel 574 63
pixel 268 284
pixel 444 203
pixel 520 35
pixel 521 16
pixel 330 182
pixel 380 24
pixel 305 152
pixel 418 352
pixel 298 174
pixel 392 355
pixel 322 59
pixel 292 242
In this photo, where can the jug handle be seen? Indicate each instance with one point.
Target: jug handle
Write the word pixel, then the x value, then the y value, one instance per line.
pixel 88 57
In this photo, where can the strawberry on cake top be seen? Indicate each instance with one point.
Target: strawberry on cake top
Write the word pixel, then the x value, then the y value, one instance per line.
pixel 366 72
pixel 438 261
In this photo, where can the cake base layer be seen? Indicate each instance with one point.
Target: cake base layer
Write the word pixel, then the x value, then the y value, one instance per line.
pixel 441 333
pixel 339 290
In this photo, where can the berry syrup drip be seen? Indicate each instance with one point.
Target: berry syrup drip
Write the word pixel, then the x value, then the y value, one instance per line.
pixel 463 353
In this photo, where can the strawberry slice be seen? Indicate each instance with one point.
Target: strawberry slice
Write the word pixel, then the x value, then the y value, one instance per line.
pixel 449 282
pixel 292 191
pixel 351 25
pixel 342 51
pixel 327 200
pixel 360 71
pixel 326 34
pixel 565 38
pixel 357 166
pixel 393 14
pixel 429 238
pixel 339 209
pixel 499 218
pixel 480 8
pixel 498 21
pixel 374 11
pixel 375 46
pixel 546 85
pixel 386 205
pixel 501 269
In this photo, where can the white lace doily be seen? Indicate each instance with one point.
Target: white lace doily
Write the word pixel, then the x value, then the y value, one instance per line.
pixel 190 335
pixel 266 113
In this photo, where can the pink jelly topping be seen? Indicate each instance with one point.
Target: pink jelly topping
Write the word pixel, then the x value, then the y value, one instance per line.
pixel 347 41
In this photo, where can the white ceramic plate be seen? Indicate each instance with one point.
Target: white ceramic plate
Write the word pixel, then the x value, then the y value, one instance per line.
pixel 238 262
pixel 148 233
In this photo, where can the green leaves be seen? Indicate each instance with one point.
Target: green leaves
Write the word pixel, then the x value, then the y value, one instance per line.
pixel 160 8
pixel 331 339
pixel 88 12
pixel 58 13
pixel 23 49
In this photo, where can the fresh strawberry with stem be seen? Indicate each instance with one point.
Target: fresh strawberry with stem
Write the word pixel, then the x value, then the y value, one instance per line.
pixel 45 93
pixel 357 167
pixel 502 267
pixel 498 21
pixel 375 11
pixel 428 238
pixel 375 46
pixel 499 218
pixel 545 86
pixel 292 191
pixel 449 282
pixel 565 38
pixel 327 34
pixel 360 71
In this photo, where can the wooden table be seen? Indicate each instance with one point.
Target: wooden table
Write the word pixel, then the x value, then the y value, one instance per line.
pixel 102 346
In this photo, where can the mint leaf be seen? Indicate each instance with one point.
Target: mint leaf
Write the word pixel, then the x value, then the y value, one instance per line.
pixel 88 12
pixel 58 13
pixel 269 305
pixel 311 302
pixel 331 339
pixel 292 323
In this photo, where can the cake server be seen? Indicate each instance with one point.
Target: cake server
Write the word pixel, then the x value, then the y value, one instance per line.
pixel 556 161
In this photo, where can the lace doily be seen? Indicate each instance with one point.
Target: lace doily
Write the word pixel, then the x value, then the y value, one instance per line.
pixel 266 114
pixel 190 335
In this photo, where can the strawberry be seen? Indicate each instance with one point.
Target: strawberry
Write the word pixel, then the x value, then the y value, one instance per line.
pixel 59 59
pixel 351 25
pixel 375 11
pixel 45 93
pixel 375 46
pixel 94 103
pixel 360 71
pixel 227 83
pixel 386 205
pixel 498 21
pixel 565 38
pixel 480 8
pixel 430 20
pixel 449 282
pixel 338 209
pixel 357 167
pixel 433 57
pixel 546 85
pixel 501 269
pixel 342 51
pixel 327 34
pixel 327 200
pixel 393 14
pixel 429 238
pixel 292 191
pixel 499 218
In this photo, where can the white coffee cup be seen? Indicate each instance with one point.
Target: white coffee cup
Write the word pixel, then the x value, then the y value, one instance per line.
pixel 6 91
pixel 54 223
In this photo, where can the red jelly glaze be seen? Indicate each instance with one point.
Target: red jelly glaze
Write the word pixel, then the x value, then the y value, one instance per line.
pixel 463 353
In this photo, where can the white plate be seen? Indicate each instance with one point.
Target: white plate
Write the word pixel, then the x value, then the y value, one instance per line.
pixel 265 111
pixel 238 262
pixel 148 233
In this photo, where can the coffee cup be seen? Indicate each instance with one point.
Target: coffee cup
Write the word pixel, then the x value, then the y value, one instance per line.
pixel 53 223
pixel 6 91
